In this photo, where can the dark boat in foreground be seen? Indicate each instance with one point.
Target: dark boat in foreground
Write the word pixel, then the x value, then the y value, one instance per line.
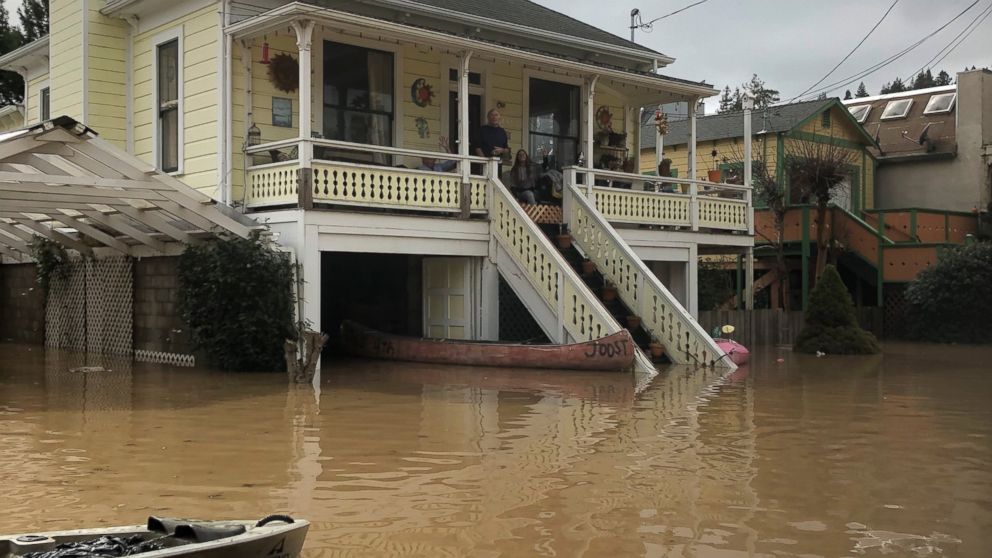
pixel 276 536
pixel 614 352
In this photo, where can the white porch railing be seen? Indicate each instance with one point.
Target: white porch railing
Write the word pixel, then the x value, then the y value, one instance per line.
pixel 661 314
pixel 640 199
pixel 344 173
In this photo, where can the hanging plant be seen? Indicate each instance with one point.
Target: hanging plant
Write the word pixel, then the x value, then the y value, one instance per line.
pixel 284 73
pixel 52 260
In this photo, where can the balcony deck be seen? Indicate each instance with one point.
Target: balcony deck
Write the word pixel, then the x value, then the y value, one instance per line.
pixel 342 175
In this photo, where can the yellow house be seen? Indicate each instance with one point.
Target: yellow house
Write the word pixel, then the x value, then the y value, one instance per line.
pixel 313 118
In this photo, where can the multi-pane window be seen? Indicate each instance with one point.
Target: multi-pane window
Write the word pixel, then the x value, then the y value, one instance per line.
pixel 897 109
pixel 358 94
pixel 860 112
pixel 554 120
pixel 45 104
pixel 940 103
pixel 167 55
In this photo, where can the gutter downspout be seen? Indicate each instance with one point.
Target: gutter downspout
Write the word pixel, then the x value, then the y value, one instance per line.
pixel 132 29
pixel 227 94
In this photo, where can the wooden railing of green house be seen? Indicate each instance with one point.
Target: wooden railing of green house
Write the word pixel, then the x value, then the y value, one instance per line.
pixel 929 225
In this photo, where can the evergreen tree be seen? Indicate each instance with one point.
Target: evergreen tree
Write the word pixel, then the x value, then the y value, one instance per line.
pixel 896 86
pixel 862 90
pixel 943 78
pixel 34 19
pixel 847 95
pixel 763 96
pixel 923 80
pixel 726 100
pixel 11 84
pixel 830 324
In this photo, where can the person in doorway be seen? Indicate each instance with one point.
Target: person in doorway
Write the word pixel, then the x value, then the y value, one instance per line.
pixel 492 140
pixel 433 164
pixel 523 177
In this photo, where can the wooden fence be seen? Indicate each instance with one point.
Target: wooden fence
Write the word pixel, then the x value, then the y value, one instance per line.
pixel 775 327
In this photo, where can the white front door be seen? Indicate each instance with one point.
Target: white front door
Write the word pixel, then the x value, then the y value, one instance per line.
pixel 447 298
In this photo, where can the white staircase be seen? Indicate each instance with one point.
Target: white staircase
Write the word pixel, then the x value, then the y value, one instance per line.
pixel 556 296
pixel 664 318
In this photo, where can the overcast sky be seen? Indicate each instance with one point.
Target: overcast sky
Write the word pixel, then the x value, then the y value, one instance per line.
pixel 791 44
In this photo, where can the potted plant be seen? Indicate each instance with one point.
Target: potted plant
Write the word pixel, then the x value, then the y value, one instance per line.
pixel 714 174
pixel 588 267
pixel 665 167
pixel 657 349
pixel 609 292
pixel 564 239
pixel 633 322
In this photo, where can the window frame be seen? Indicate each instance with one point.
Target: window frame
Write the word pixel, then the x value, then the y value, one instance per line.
pixel 45 103
pixel 395 114
pixel 904 114
pixel 950 107
pixel 159 41
pixel 580 146
pixel 825 119
pixel 864 117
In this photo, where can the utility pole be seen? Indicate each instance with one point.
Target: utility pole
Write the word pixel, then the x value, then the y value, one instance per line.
pixel 748 104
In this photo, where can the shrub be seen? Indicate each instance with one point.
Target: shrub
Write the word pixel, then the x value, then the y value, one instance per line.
pixel 952 300
pixel 236 297
pixel 830 324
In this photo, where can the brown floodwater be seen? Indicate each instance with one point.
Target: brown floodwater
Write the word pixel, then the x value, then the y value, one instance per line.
pixel 833 456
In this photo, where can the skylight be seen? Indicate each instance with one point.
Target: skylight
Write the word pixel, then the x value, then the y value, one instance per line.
pixel 897 109
pixel 941 103
pixel 860 112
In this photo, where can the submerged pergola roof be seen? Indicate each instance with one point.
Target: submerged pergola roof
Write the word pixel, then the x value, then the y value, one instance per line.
pixel 59 180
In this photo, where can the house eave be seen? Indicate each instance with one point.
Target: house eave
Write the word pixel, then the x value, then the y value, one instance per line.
pixel 277 18
pixel 27 55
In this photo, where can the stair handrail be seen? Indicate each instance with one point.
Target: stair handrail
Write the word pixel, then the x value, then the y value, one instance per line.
pixel 636 284
pixel 549 272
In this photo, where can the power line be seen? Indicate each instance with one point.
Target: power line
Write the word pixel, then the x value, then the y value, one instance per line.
pixel 875 67
pixel 647 26
pixel 865 38
pixel 979 19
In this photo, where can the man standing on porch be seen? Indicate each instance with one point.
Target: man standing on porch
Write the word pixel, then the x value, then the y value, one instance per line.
pixel 492 140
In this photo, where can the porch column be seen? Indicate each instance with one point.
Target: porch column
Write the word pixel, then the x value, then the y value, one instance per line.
pixel 590 118
pixel 749 278
pixel 304 36
pixel 692 137
pixel 692 281
pixel 464 199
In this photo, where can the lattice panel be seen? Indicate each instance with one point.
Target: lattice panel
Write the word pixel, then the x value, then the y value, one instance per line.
pixel 91 310
pixel 515 322
pixel 65 309
pixel 157 357
pixel 895 310
pixel 109 297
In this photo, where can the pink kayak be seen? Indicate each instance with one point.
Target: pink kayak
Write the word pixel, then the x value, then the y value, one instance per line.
pixel 737 353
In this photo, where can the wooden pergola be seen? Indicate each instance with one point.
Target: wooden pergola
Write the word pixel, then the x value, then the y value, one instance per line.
pixel 59 180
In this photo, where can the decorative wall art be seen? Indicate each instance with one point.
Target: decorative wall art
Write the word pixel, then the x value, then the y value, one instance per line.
pixel 423 128
pixel 421 93
pixel 284 73
pixel 604 118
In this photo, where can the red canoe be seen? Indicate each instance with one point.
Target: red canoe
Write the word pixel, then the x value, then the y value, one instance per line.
pixel 613 352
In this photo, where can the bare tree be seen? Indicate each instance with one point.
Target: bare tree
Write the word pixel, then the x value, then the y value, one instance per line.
pixel 817 169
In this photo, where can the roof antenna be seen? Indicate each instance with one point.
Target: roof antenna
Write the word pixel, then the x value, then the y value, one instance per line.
pixel 633 25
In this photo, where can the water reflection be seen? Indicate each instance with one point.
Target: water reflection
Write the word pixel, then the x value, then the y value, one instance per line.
pixel 812 457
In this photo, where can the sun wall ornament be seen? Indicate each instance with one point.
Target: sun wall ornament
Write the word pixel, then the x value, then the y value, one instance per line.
pixel 604 118
pixel 421 93
pixel 284 73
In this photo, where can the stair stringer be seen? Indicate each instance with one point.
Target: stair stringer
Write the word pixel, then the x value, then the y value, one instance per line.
pixel 543 279
pixel 664 318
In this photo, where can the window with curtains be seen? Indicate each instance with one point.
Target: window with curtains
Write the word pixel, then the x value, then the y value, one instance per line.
pixel 358 94
pixel 167 70
pixel 554 121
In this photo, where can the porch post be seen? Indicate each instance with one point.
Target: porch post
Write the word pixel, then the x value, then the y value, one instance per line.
pixel 464 199
pixel 748 197
pixel 749 278
pixel 692 137
pixel 304 37
pixel 590 118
